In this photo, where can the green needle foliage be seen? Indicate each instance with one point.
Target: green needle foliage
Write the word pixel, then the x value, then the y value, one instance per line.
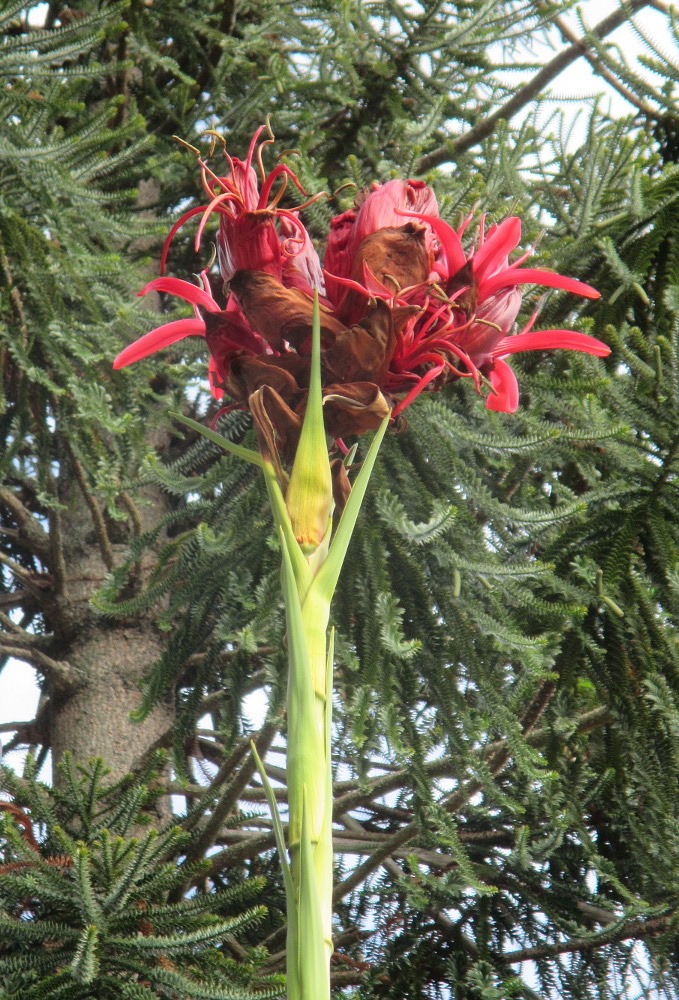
pixel 90 909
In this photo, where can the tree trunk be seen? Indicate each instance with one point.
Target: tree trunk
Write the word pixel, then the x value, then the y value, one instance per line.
pixel 91 716
pixel 92 697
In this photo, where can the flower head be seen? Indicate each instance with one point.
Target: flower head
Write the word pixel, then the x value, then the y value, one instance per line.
pixel 405 305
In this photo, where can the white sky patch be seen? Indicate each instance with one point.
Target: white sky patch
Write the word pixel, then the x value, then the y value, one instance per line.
pixel 19 697
pixel 571 94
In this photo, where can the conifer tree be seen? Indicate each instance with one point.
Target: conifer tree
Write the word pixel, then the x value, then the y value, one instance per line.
pixel 507 685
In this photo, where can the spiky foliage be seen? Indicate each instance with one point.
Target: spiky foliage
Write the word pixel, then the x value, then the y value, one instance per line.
pixel 507 685
pixel 89 909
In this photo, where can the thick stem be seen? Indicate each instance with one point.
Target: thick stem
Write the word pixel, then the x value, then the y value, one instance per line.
pixel 309 780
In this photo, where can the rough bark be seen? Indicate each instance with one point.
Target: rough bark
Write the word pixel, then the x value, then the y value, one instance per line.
pixel 91 700
pixel 92 717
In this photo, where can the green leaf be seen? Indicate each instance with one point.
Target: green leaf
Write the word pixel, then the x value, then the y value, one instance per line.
pixel 328 575
pixel 247 454
pixel 300 566
pixel 277 825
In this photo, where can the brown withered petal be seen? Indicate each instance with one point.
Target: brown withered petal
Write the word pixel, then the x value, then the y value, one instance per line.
pixel 280 314
pixel 353 408
pixel 396 256
pixel 363 352
pixel 288 375
pixel 341 487
pixel 401 314
pixel 225 338
pixel 278 427
pixel 464 278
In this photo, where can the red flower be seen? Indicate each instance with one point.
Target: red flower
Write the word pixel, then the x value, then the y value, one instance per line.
pixel 408 308
pixel 468 301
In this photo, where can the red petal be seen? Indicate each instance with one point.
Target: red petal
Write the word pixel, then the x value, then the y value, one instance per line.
pixel 551 340
pixel 422 384
pixel 505 399
pixel 184 289
pixel 213 378
pixel 535 276
pixel 154 341
pixel 177 226
pixel 499 243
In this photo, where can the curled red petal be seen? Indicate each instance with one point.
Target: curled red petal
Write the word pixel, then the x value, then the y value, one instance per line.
pixel 184 290
pixel 551 340
pixel 159 338
pixel 215 204
pixel 422 384
pixel 535 276
pixel 505 399
pixel 177 226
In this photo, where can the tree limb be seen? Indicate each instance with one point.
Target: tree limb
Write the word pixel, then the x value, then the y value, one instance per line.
pixel 622 932
pixel 29 530
pixel 454 147
pixel 605 73
pixel 59 672
pixel 95 511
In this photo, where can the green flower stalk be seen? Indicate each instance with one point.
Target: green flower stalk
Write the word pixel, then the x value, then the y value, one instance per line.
pixel 312 557
pixel 308 591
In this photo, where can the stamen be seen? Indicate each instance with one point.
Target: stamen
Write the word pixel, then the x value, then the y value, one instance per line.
pixel 342 187
pixel 487 322
pixel 214 205
pixel 268 182
pixel 187 145
pixel 222 182
pixel 310 201
pixel 265 142
pixel 277 197
pixel 252 147
pixel 215 137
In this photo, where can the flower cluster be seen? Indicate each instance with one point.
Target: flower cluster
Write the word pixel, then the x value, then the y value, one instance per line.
pixel 405 306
